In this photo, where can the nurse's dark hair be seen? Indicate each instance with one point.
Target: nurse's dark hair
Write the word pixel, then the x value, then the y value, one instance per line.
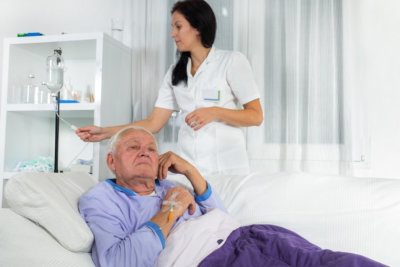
pixel 201 17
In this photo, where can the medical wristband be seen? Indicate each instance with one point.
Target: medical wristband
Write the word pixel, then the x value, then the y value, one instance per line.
pixel 157 230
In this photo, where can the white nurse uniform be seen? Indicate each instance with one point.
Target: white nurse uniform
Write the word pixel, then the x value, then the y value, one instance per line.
pixel 224 79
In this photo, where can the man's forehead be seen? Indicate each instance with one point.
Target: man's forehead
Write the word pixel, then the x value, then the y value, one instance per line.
pixel 138 136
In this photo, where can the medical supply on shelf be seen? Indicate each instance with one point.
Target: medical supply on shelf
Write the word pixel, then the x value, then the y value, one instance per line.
pixel 28 90
pixel 80 164
pixel 33 93
pixel 66 91
pixel 42 164
pixel 68 101
pixel 76 95
pixel 29 34
pixel 89 94
pixel 81 168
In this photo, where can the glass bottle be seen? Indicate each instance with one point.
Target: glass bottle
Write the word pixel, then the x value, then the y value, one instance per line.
pixel 28 91
pixel 55 71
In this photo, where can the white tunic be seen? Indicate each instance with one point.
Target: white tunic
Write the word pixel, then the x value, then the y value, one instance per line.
pixel 224 79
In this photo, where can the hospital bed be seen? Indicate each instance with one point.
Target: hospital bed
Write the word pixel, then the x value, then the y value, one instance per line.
pixel 358 215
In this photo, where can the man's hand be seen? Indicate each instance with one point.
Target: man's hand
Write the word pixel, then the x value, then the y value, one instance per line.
pixel 181 200
pixel 171 162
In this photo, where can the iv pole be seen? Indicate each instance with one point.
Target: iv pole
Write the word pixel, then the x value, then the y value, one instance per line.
pixel 57 132
pixel 55 69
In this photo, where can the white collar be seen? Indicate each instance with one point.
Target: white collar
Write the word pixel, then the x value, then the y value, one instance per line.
pixel 210 57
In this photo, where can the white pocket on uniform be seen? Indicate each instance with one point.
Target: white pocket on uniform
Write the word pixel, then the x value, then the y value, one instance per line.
pixel 211 95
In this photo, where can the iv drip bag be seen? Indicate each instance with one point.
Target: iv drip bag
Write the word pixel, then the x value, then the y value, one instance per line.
pixel 55 71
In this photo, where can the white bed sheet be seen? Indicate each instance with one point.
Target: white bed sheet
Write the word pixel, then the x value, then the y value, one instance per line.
pixel 359 215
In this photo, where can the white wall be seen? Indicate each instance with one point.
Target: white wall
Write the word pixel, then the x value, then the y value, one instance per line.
pixel 379 37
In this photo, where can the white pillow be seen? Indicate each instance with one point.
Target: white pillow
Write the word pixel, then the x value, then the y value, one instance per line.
pixel 23 243
pixel 51 200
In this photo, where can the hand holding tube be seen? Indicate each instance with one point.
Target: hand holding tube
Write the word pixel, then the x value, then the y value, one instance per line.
pixel 92 133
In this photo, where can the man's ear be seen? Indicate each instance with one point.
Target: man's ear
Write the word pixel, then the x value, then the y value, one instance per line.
pixel 110 161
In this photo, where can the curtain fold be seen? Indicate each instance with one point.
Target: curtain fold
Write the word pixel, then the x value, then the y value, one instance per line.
pixel 307 126
pixel 148 40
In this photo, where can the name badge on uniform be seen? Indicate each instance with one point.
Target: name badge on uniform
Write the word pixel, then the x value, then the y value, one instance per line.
pixel 211 95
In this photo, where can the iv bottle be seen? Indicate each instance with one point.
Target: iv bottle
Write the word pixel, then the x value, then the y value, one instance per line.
pixel 55 71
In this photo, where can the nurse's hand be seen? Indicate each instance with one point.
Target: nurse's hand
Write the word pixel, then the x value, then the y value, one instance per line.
pixel 200 117
pixel 92 133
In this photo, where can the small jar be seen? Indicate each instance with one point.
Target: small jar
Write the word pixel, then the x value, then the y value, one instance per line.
pixel 28 92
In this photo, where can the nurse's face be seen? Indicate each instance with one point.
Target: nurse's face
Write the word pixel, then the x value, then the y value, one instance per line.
pixel 186 37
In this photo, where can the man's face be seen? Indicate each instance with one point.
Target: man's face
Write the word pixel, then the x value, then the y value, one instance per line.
pixel 136 156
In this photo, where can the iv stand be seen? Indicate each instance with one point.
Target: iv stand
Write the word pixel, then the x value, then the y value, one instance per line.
pixel 55 66
pixel 57 130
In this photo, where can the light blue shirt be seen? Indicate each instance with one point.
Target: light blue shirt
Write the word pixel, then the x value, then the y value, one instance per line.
pixel 119 220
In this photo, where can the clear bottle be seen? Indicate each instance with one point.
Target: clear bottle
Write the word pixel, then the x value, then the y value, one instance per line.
pixel 66 90
pixel 55 71
pixel 28 92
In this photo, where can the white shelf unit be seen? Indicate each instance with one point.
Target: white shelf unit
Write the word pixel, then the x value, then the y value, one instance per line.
pixel 27 130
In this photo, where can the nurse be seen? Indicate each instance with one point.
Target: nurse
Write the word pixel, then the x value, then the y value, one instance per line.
pixel 214 90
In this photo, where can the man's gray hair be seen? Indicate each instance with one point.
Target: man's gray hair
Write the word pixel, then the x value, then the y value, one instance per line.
pixel 114 140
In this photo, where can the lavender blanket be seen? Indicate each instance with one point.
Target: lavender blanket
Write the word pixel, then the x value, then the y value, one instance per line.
pixel 269 245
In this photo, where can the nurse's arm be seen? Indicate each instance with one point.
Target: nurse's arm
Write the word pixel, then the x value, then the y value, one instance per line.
pixel 250 115
pixel 154 123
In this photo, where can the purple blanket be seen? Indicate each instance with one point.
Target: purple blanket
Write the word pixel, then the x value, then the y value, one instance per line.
pixel 269 245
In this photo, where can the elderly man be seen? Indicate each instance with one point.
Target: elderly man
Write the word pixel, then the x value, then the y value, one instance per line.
pixel 132 215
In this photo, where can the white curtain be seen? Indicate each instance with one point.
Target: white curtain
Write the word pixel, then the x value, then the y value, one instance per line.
pixel 148 39
pixel 296 49
pixel 307 109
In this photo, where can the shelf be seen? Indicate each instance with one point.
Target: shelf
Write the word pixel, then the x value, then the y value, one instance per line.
pixel 50 107
pixel 94 62
pixel 9 175
pixel 66 40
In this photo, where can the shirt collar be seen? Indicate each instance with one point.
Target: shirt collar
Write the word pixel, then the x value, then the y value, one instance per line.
pixel 113 183
pixel 210 57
